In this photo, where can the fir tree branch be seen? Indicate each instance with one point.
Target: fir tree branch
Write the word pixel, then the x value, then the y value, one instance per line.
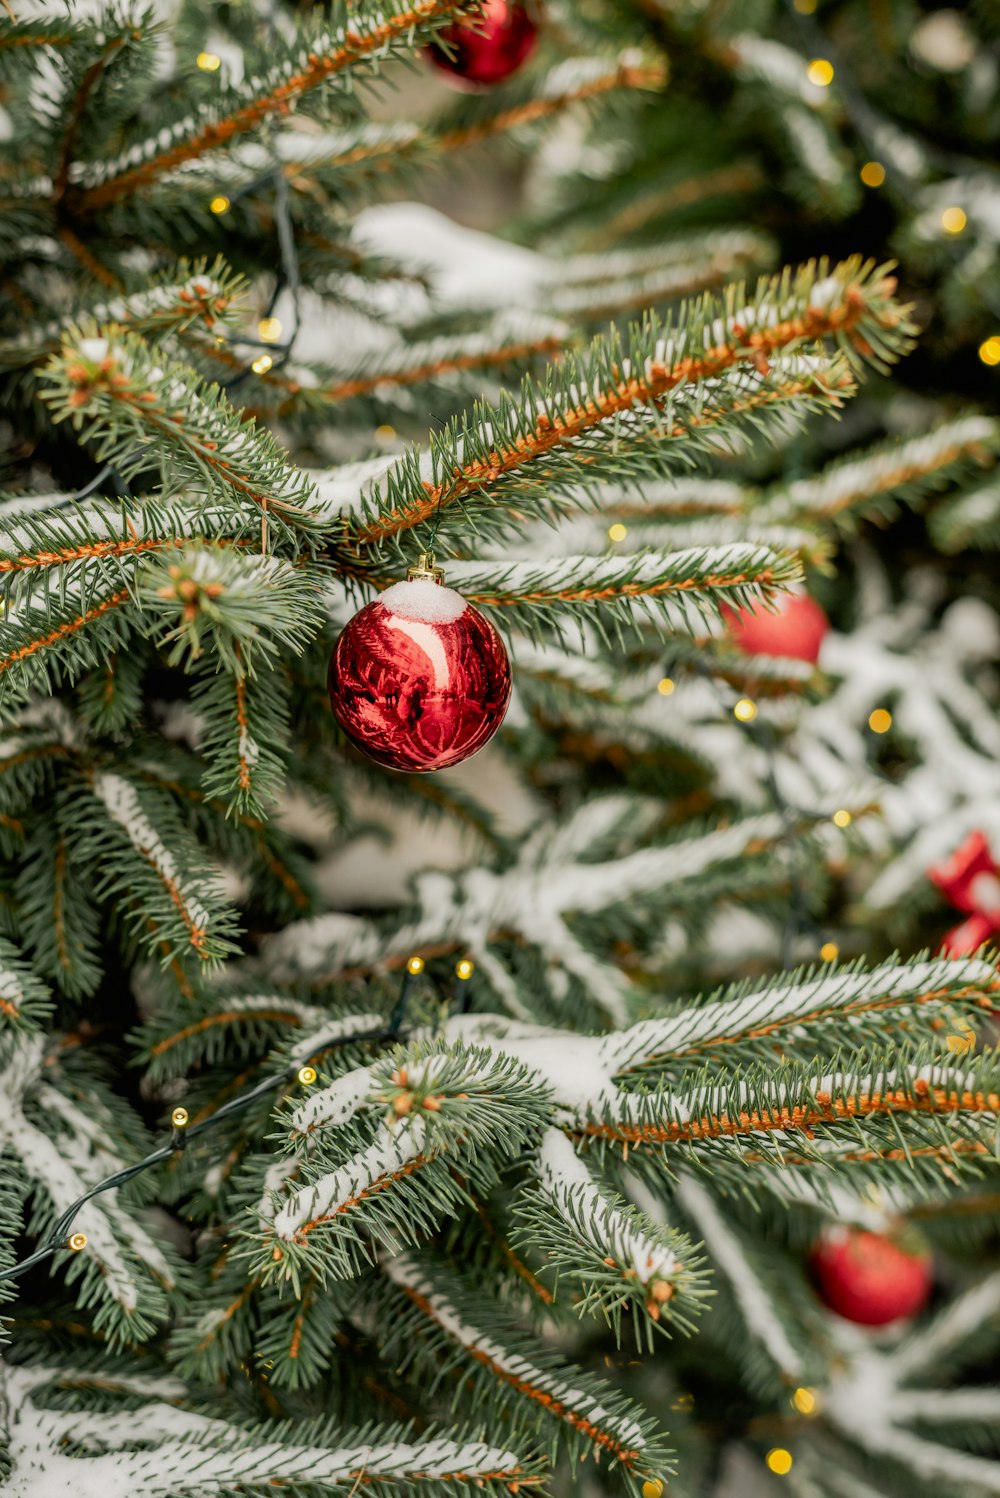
pixel 25 641
pixel 427 363
pixel 199 294
pixel 154 1444
pixel 77 108
pixel 360 39
pixel 801 1106
pixel 794 1011
pixel 875 481
pixel 133 406
pixel 685 586
pixel 613 400
pixel 630 72
pixel 590 1419
pixel 24 999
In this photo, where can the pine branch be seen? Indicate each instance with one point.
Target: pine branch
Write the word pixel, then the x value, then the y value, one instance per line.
pixel 880 1004
pixel 78 106
pixel 46 551
pixel 630 72
pixel 63 1146
pixel 55 913
pixel 154 1444
pixel 238 608
pixel 41 646
pixel 388 148
pixel 196 295
pixel 514 1377
pixel 446 1112
pixel 147 861
pixel 877 480
pixel 136 407
pixel 609 408
pixel 436 361
pixel 24 1000
pixel 682 588
pixel 817 1114
pixel 613 1257
pixel 360 38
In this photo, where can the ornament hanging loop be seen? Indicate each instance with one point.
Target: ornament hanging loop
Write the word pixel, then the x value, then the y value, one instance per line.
pixel 424 570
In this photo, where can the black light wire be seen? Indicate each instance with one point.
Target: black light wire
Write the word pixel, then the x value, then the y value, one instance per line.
pixel 56 1238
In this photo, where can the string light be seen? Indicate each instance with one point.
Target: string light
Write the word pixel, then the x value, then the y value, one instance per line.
pixel 617 532
pixel 57 1239
pixel 385 434
pixel 307 1075
pixel 820 72
pixel 262 364
pixel 465 968
pixel 665 686
pixel 779 1461
pixel 873 174
pixel 209 62
pixel 220 204
pixel 954 220
pixel 829 951
pixel 842 818
pixel 805 1401
pixel 989 351
pixel 880 721
pixel 745 710
pixel 652 1488
pixel 964 1041
pixel 269 329
pixel 415 966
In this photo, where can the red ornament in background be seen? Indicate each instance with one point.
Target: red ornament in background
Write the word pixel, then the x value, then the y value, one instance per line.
pixel 796 630
pixel 489 47
pixel 867 1278
pixel 971 881
pixel 419 680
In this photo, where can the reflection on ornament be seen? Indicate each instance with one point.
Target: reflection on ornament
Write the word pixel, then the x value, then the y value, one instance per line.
pixel 488 47
pixel 419 679
pixel 970 880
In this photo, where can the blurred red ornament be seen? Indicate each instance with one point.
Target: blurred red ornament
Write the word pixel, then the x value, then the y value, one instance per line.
pixel 488 47
pixel 796 630
pixel 867 1278
pixel 419 680
pixel 970 880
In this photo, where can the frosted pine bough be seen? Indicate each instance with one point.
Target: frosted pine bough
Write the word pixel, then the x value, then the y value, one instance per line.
pixel 429 1233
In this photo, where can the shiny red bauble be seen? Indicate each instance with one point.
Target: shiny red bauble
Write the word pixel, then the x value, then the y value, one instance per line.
pixel 488 47
pixel 867 1278
pixel 419 680
pixel 795 629
pixel 970 879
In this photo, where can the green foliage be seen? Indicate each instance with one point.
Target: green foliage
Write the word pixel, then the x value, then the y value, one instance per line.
pixel 614 1108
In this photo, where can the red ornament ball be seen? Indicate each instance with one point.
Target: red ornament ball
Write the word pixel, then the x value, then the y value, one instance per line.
pixel 867 1278
pixel 796 630
pixel 488 47
pixel 419 680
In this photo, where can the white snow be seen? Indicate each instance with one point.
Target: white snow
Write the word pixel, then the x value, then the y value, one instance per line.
pixel 404 1272
pixel 422 601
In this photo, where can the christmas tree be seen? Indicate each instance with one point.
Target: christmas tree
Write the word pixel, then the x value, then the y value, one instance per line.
pixel 615 1113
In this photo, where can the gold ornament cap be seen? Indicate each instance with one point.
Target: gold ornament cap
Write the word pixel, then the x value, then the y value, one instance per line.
pixel 424 570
